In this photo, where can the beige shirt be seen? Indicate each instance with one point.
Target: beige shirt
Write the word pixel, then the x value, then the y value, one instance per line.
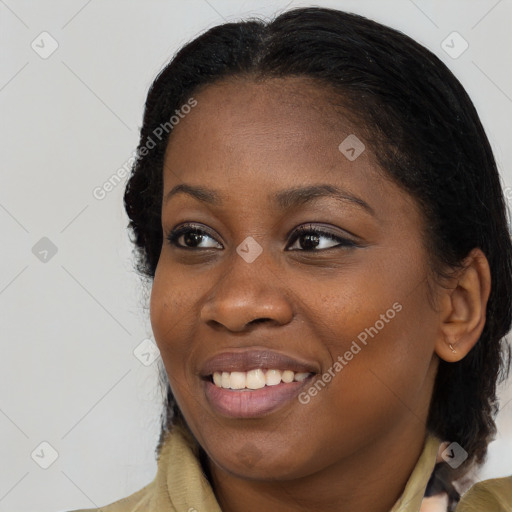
pixel 180 485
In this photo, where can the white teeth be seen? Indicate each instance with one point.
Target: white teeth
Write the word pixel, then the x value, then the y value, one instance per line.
pixel 273 377
pixel 299 377
pixel 237 380
pixel 257 378
pixel 287 376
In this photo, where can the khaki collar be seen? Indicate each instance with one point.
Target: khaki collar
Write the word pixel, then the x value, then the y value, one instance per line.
pixel 411 498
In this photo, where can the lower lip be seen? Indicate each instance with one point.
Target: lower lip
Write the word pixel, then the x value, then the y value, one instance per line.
pixel 250 403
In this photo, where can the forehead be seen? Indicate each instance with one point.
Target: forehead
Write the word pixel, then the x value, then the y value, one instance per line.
pixel 286 110
pixel 275 126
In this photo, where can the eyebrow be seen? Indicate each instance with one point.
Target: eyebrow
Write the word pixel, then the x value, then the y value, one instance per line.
pixel 285 199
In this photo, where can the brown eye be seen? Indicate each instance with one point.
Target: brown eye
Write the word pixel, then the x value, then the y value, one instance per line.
pixel 192 237
pixel 310 239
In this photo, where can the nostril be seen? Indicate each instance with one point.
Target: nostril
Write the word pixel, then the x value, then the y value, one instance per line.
pixel 259 320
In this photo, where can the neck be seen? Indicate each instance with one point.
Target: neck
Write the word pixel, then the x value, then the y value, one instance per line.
pixel 371 479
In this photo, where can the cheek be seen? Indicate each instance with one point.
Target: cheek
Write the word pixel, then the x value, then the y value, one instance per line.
pixel 171 314
pixel 176 297
pixel 386 349
pixel 173 301
pixel 168 322
pixel 383 328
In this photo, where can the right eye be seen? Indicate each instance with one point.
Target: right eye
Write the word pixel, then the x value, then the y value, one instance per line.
pixel 192 237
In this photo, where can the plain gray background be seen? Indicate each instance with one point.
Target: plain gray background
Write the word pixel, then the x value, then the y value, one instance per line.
pixel 71 320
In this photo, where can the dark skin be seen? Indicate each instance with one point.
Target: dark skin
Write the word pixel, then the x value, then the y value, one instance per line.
pixel 354 445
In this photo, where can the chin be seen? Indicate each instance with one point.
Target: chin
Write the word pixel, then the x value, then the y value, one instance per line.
pixel 251 464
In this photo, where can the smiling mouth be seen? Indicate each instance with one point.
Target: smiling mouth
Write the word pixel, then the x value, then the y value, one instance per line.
pixel 255 382
pixel 257 378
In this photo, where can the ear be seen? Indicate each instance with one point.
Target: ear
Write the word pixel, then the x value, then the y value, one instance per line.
pixel 462 308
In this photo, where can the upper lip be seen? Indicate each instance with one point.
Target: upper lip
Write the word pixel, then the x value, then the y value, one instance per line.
pixel 242 361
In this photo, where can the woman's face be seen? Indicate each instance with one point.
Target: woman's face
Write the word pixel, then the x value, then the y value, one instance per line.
pixel 344 302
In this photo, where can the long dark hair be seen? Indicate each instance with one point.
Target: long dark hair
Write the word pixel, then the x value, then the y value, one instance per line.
pixel 422 128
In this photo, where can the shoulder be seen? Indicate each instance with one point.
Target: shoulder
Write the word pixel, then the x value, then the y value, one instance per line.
pixel 139 501
pixel 494 495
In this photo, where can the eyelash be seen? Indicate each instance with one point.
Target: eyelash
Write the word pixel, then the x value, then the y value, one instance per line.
pixel 303 230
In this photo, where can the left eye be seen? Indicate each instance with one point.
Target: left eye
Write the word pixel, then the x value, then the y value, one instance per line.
pixel 312 239
pixel 192 235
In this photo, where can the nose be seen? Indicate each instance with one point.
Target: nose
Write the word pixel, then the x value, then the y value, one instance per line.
pixel 247 294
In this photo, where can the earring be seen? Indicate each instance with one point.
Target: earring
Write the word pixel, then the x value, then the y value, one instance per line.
pixel 452 349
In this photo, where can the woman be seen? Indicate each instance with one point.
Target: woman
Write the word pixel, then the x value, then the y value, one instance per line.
pixel 319 210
